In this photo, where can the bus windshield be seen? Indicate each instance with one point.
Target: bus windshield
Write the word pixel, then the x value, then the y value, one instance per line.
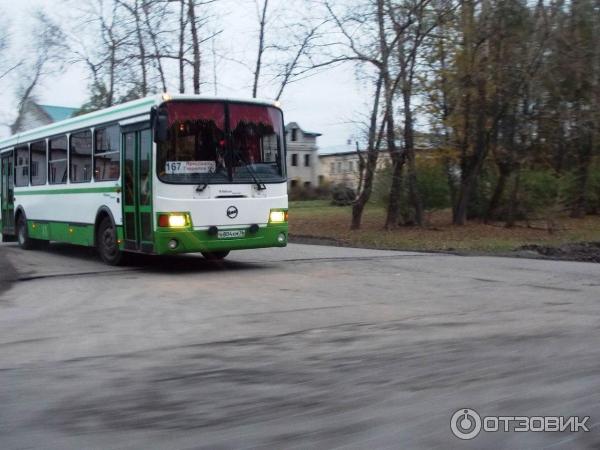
pixel 211 142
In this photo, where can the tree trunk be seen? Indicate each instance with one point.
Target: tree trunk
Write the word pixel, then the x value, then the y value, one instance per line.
pixel 471 166
pixel 261 47
pixel 505 172
pixel 181 53
pixel 371 165
pixel 390 127
pixel 393 213
pixel 152 33
pixel 409 149
pixel 195 46
pixel 462 201
pixel 142 50
pixel 111 77
pixel 513 204
pixel 584 159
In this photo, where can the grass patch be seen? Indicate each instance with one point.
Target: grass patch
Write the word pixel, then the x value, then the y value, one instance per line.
pixel 319 219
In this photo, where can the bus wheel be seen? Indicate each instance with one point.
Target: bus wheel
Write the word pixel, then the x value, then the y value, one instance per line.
pixel 106 243
pixel 215 256
pixel 25 242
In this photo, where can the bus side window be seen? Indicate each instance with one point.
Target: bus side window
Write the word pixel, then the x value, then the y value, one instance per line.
pixel 57 160
pixel 80 157
pixel 38 163
pixel 106 154
pixel 22 166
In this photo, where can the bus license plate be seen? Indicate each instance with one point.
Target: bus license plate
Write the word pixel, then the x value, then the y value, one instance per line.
pixel 231 234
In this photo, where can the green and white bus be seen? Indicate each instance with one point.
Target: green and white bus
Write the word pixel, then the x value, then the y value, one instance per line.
pixel 160 175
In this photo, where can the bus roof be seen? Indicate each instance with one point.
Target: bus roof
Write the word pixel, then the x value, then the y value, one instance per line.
pixel 115 113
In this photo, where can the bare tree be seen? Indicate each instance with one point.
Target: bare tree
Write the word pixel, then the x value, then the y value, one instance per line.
pixel 106 53
pixel 135 9
pixel 195 45
pixel 262 20
pixel 375 133
pixel 199 17
pixel 183 21
pixel 46 50
pixel 293 60
pixel 7 64
pixel 153 16
pixel 363 38
pixel 413 22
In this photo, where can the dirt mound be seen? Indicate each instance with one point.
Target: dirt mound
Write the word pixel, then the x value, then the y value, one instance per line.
pixel 580 251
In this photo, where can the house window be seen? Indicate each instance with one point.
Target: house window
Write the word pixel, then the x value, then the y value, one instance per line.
pixel 294 183
pixel 332 168
pixel 306 160
pixel 294 159
pixel 307 184
pixel 294 134
pixel 339 167
pixel 351 166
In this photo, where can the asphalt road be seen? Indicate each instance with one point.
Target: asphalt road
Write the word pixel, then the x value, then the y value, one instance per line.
pixel 303 347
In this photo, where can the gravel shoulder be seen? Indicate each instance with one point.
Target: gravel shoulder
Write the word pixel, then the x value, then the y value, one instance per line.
pixel 579 251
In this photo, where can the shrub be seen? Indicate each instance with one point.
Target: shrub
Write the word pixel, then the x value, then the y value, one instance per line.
pixel 342 195
pixel 301 192
pixel 593 191
pixel 540 190
pixel 431 182
pixel 481 193
pixel 433 185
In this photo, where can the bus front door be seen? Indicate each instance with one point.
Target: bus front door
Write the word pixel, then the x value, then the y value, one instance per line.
pixel 7 198
pixel 137 189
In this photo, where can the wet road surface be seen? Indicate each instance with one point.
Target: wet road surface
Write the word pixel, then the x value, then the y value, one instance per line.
pixel 303 347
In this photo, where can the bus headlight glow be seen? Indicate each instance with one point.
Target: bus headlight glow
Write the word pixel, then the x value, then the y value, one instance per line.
pixel 173 220
pixel 177 221
pixel 278 216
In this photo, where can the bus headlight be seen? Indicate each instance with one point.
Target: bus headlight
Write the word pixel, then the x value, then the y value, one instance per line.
pixel 177 221
pixel 278 216
pixel 173 220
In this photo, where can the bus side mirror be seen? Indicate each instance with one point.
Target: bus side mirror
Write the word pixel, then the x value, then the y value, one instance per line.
pixel 160 125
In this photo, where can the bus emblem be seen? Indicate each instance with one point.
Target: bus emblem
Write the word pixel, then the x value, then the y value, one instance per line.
pixel 232 212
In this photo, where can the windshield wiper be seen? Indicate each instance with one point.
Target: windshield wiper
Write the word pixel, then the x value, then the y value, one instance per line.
pixel 259 184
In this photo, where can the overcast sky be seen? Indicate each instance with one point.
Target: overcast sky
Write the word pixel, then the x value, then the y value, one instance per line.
pixel 326 103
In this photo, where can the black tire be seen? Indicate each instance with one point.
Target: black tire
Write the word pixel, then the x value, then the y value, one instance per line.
pixel 25 242
pixel 106 243
pixel 215 256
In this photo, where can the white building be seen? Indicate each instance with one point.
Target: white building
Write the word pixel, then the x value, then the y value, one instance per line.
pixel 302 156
pixel 33 115
pixel 343 167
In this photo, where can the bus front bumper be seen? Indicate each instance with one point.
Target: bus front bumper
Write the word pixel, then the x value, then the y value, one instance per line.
pixel 189 241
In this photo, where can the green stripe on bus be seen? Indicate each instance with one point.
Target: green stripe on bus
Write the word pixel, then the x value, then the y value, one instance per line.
pixel 70 191
pixel 78 234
